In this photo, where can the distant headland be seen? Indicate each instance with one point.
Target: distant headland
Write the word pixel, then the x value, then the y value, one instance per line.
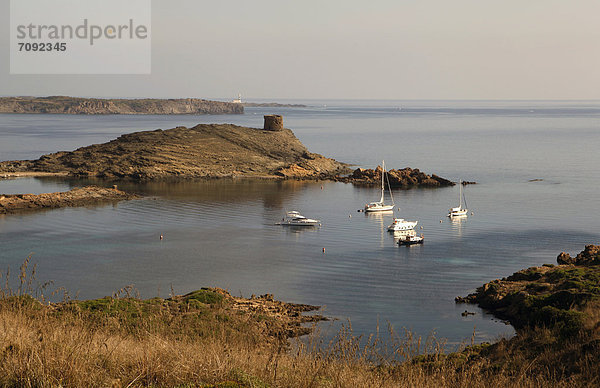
pixel 100 106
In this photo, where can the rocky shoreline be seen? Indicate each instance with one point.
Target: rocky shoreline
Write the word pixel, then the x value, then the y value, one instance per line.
pixel 402 178
pixel 99 106
pixel 550 295
pixel 554 310
pixel 80 196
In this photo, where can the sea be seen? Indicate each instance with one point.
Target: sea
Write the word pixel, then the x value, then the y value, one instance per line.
pixel 536 164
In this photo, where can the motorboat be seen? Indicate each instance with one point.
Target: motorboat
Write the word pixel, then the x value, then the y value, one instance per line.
pixel 294 218
pixel 380 205
pixel 459 211
pixel 400 224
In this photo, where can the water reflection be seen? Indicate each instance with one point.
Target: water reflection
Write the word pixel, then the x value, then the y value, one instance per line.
pixel 457 222
pixel 294 229
pixel 382 220
pixel 273 194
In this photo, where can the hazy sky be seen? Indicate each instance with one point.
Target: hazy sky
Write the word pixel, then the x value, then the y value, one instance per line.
pixel 384 49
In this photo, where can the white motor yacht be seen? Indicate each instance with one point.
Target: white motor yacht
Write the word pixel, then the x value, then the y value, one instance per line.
pixel 400 224
pixel 294 218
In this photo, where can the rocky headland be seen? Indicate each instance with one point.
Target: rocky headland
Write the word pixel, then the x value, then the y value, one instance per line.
pixel 401 178
pixel 98 106
pixel 204 151
pixel 80 196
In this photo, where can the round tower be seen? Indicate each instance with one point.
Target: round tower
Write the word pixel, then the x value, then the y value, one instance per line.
pixel 273 122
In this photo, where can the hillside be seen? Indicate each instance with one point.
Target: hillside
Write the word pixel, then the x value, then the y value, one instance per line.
pixel 204 151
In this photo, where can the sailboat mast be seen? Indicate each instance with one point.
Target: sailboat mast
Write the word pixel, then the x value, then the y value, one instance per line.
pixel 460 193
pixel 382 177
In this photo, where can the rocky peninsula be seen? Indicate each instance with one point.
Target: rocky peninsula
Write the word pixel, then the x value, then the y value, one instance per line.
pixel 204 151
pixel 98 106
pixel 80 196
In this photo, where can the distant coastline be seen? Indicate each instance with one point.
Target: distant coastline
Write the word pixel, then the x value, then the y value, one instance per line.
pixel 99 106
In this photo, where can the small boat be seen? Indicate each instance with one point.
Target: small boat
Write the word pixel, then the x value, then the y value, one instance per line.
pixel 459 211
pixel 401 224
pixel 294 218
pixel 380 206
pixel 411 239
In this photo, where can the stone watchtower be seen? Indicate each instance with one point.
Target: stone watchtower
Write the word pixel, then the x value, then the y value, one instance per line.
pixel 273 122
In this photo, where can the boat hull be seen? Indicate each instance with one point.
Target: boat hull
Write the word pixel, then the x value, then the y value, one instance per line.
pixel 385 208
pixel 298 223
pixel 411 242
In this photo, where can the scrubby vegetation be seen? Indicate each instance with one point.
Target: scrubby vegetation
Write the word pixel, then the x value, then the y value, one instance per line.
pixel 208 338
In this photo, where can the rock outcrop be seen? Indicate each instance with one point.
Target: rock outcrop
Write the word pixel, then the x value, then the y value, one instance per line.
pixel 404 178
pixel 284 317
pixel 95 106
pixel 204 151
pixel 589 256
pixel 81 196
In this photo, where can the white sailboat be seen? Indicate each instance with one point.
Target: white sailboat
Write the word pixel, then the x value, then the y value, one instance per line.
pixel 381 206
pixel 459 211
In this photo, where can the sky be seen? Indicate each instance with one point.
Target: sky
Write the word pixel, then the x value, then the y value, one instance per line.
pixel 334 49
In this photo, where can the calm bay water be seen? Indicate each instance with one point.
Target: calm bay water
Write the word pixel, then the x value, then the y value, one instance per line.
pixel 222 233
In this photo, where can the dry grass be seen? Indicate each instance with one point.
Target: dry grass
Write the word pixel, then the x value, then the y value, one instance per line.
pixel 126 342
